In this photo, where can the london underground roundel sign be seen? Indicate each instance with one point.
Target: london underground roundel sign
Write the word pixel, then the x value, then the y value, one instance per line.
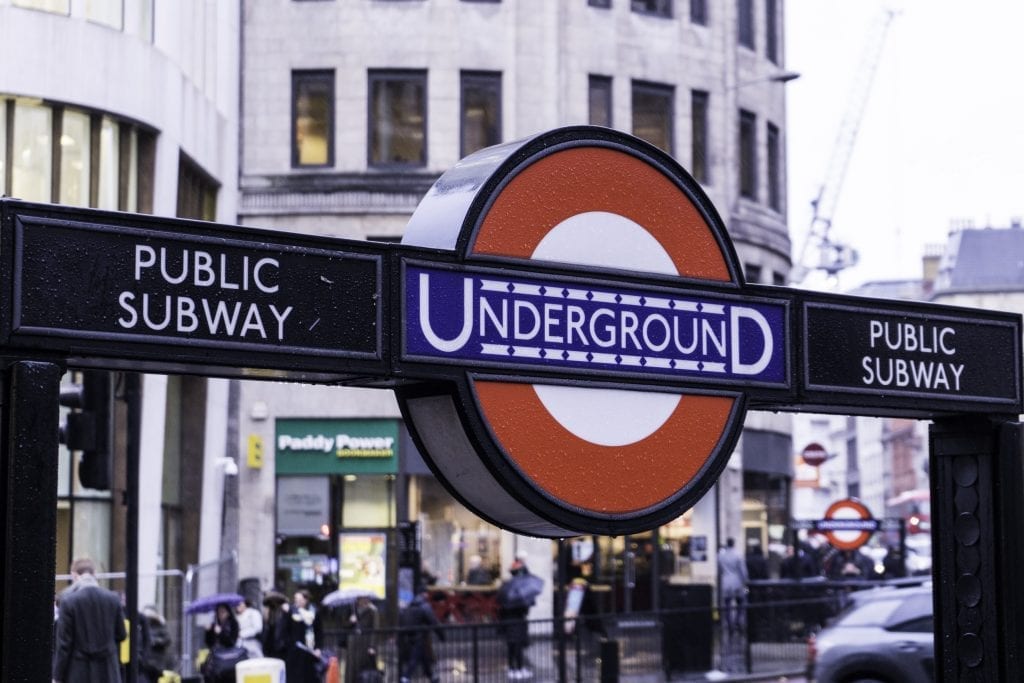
pixel 561 341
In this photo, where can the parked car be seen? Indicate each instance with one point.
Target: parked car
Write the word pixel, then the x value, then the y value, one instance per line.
pixel 885 634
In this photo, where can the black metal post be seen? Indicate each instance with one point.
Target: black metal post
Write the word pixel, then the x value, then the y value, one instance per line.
pixel 561 577
pixel 28 476
pixel 476 653
pixel 976 481
pixel 133 401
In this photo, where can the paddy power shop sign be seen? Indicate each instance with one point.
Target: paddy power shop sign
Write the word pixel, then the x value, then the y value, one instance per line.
pixel 571 340
pixel 336 446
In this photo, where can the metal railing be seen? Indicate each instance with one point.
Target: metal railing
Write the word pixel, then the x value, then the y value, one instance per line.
pixel 637 647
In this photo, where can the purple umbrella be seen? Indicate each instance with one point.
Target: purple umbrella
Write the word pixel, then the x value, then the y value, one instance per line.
pixel 210 602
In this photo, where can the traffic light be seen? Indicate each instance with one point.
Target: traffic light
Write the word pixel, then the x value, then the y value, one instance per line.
pixel 90 426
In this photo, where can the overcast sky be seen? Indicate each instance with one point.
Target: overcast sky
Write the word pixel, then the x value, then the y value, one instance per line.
pixel 942 137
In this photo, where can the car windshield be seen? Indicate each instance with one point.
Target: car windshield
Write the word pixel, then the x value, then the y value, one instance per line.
pixel 871 613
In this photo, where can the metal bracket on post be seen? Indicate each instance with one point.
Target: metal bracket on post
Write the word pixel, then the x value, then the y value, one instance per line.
pixel 29 417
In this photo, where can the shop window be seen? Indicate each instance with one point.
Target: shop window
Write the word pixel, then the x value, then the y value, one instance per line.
pixel 745 22
pixel 699 12
pixel 75 158
pixel 774 168
pixel 699 136
pixel 107 12
pixel 197 191
pixel 771 32
pixel 481 111
pixel 748 154
pixel 368 500
pixel 398 118
pixel 659 8
pixel 31 165
pixel 600 94
pixel 653 114
pixel 55 6
pixel 312 118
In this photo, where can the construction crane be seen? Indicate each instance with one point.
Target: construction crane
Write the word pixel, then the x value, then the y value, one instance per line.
pixel 833 256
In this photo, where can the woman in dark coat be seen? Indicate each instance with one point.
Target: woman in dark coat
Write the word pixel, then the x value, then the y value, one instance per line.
pixel 223 632
pixel 304 634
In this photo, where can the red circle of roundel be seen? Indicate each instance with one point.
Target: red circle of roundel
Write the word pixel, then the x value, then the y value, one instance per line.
pixel 624 480
pixel 861 511
pixel 546 192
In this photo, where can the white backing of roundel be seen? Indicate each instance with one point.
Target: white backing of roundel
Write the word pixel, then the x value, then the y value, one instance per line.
pixel 607 417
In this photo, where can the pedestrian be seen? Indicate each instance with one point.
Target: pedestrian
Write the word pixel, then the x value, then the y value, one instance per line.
pixel 415 647
pixel 250 628
pixel 732 585
pixel 89 627
pixel 304 635
pixel 515 597
pixel 362 645
pixel 273 637
pixel 223 630
pixel 757 564
pixel 155 658
pixel 221 638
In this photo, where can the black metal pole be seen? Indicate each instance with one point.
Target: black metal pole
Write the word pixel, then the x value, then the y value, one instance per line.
pixel 29 416
pixel 976 536
pixel 133 402
pixel 561 576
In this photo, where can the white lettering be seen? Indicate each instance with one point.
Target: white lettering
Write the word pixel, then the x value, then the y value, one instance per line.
pixel 456 343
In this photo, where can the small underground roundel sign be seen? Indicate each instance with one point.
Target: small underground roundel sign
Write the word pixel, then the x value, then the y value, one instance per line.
pixel 580 314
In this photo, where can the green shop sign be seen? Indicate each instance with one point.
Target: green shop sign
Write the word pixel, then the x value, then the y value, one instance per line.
pixel 308 446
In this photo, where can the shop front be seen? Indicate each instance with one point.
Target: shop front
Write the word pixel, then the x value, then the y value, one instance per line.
pixel 336 504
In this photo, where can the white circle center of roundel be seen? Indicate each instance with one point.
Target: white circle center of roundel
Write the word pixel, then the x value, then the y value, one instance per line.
pixel 606 417
pixel 847 513
pixel 603 239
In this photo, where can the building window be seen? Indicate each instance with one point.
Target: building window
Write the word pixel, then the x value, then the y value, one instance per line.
pixel 745 22
pixel 107 12
pixel 600 94
pixel 55 6
pixel 313 118
pixel 481 111
pixel 603 4
pixel 660 8
pixel 771 32
pixel 699 142
pixel 774 168
pixel 753 272
pixel 653 114
pixel 398 118
pixel 62 154
pixel 109 163
pixel 31 167
pixel 197 191
pixel 75 159
pixel 778 279
pixel 748 154
pixel 699 12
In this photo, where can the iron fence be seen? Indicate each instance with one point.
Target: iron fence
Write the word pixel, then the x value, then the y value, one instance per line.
pixel 635 647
